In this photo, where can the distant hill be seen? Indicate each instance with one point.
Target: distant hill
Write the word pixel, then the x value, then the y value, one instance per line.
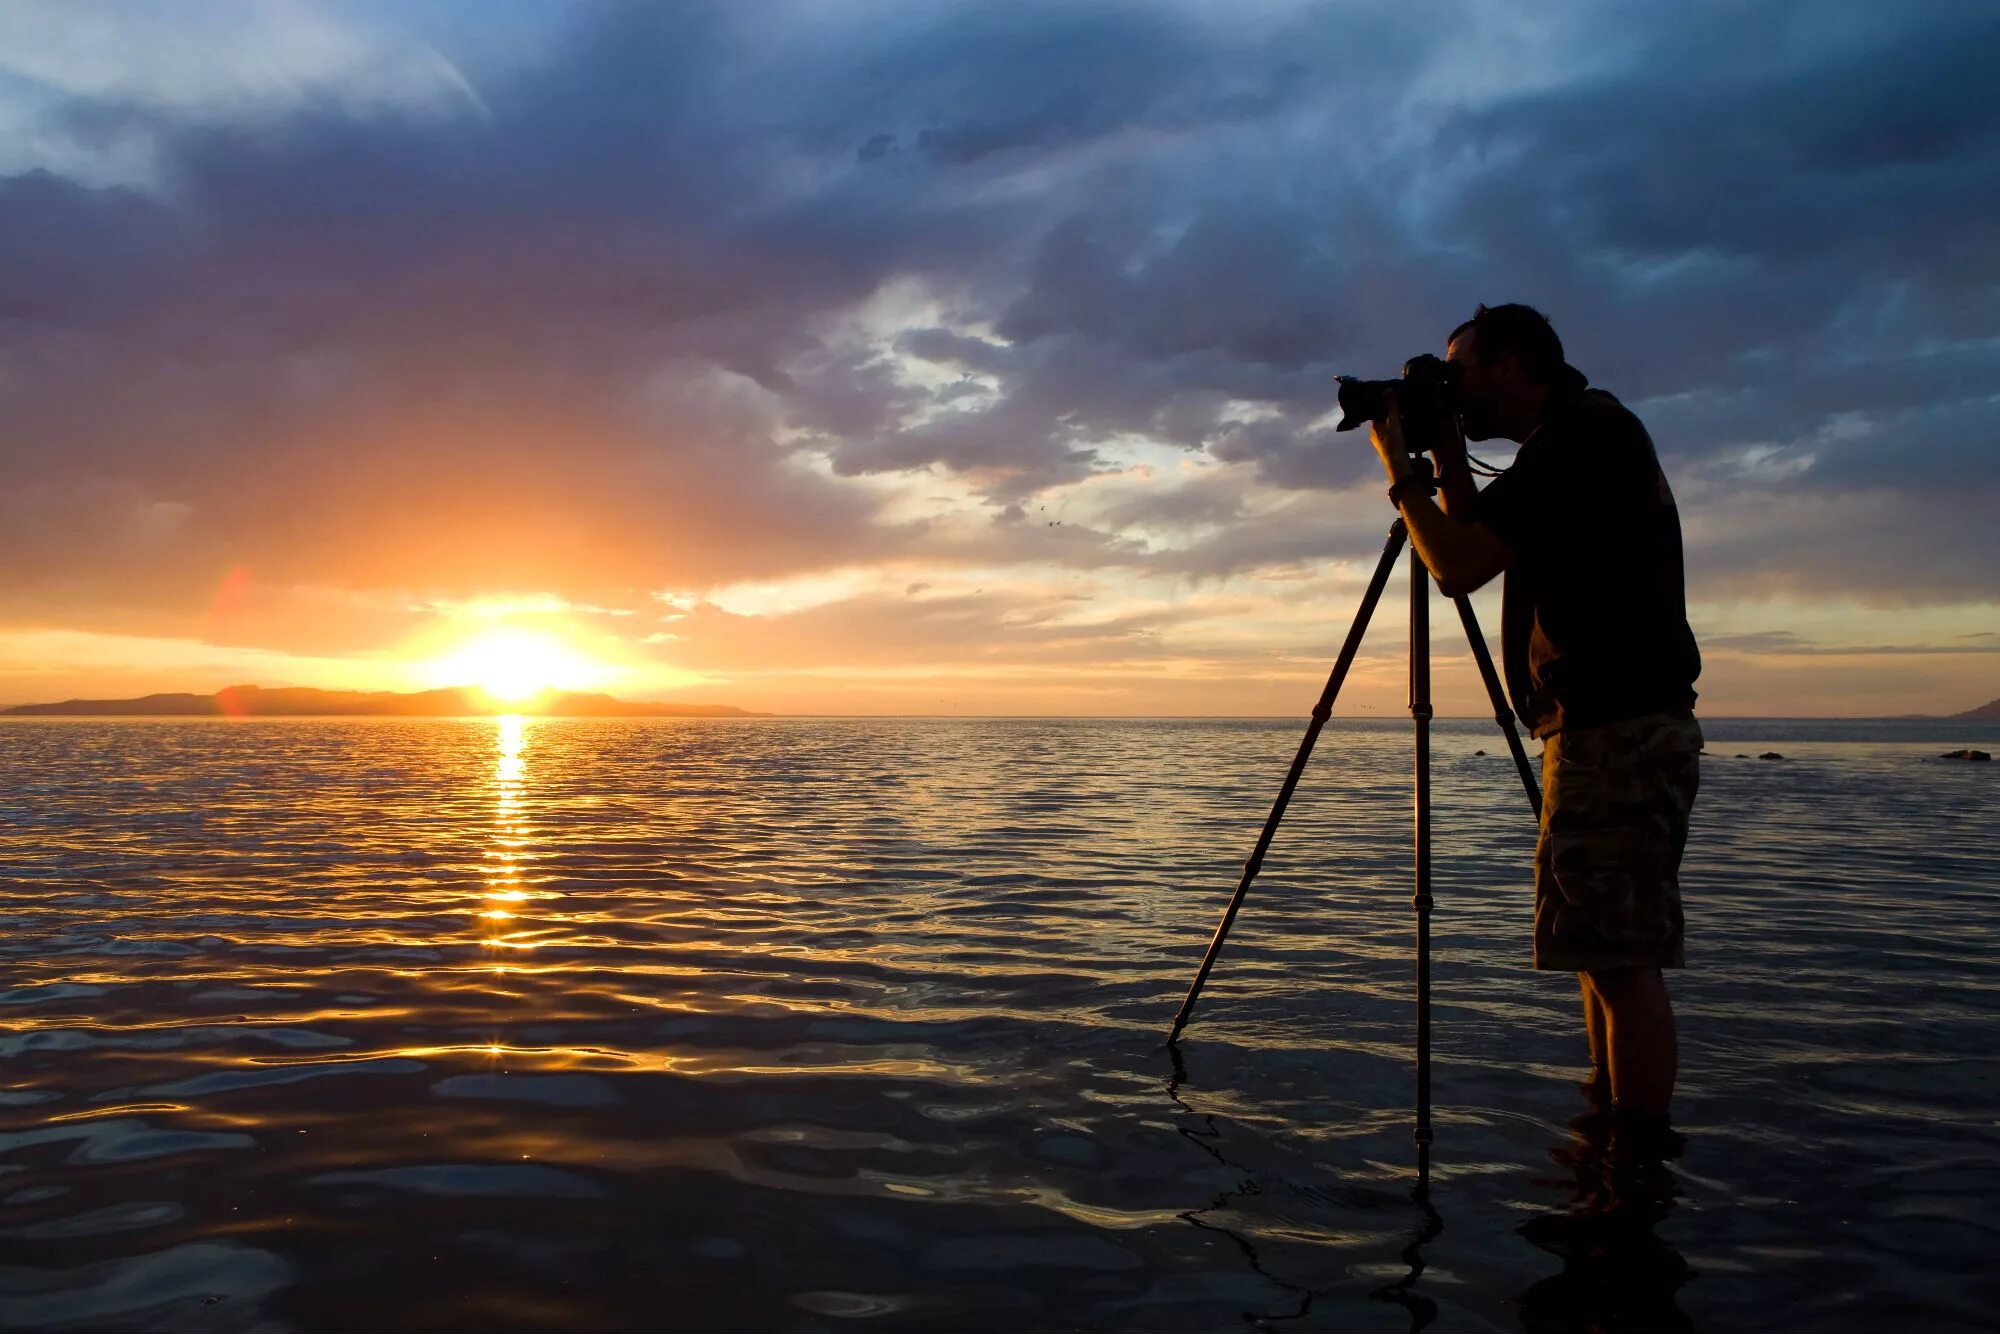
pixel 1985 713
pixel 305 702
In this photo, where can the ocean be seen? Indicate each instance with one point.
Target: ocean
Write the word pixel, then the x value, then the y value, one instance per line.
pixel 836 1024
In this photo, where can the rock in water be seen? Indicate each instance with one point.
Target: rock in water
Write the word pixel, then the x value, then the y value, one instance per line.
pixel 1965 755
pixel 1770 755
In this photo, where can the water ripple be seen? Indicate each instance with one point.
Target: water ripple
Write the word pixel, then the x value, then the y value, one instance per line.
pixel 796 1024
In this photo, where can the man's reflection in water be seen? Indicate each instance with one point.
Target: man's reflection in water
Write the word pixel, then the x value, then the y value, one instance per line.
pixel 1617 1274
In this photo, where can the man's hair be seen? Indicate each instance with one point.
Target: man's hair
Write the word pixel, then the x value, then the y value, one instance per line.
pixel 1522 330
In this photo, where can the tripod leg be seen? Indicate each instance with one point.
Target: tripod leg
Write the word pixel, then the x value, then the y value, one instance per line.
pixel 1321 712
pixel 1420 714
pixel 1502 714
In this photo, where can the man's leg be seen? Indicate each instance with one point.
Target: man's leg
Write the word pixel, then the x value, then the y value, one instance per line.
pixel 1594 1026
pixel 1639 1021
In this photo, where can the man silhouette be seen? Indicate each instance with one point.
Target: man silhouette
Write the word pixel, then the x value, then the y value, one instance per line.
pixel 1600 663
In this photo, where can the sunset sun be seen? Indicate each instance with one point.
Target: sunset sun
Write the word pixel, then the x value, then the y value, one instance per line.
pixel 514 665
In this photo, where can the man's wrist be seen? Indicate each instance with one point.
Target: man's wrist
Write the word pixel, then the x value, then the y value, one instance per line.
pixel 1408 484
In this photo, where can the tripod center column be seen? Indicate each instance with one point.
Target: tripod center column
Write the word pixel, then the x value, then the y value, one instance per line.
pixel 1420 714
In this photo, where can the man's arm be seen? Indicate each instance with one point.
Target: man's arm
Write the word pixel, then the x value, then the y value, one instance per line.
pixel 1463 554
pixel 1456 491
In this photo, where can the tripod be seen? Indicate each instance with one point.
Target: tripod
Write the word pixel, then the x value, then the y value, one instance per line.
pixel 1420 712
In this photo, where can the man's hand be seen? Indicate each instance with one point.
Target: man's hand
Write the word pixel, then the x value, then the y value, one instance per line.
pixel 1448 446
pixel 1386 434
pixel 1461 552
pixel 1446 443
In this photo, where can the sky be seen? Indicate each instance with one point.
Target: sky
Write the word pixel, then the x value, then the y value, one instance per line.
pixel 850 357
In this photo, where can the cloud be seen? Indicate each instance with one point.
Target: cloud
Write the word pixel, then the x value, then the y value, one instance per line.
pixel 687 295
pixel 1782 642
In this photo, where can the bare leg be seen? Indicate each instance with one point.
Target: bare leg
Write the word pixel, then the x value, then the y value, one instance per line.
pixel 1640 1036
pixel 1594 1025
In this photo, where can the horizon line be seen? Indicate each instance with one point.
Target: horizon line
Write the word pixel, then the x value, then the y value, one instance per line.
pixel 752 716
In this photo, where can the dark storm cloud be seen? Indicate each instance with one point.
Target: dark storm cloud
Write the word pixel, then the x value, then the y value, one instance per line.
pixel 1767 245
pixel 1851 151
pixel 590 323
pixel 65 249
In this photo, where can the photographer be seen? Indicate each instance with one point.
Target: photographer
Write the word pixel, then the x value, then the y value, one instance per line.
pixel 1600 663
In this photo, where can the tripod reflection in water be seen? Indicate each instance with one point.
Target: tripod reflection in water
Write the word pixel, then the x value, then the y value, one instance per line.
pixel 1208 1138
pixel 1403 1291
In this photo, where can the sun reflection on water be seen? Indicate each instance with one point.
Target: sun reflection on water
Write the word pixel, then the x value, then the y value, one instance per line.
pixel 508 855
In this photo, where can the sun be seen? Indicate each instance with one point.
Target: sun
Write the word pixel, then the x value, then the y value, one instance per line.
pixel 514 665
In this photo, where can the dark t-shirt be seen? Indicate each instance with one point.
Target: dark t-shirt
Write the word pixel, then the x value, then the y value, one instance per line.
pixel 1594 622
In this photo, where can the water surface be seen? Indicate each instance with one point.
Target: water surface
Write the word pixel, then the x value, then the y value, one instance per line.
pixel 836 1024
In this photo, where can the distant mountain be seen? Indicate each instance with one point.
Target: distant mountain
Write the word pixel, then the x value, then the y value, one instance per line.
pixel 1985 713
pixel 305 702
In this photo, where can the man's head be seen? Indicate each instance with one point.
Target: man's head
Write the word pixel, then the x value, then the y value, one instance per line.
pixel 1508 359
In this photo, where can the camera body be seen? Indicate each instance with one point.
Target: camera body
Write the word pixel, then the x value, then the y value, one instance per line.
pixel 1426 396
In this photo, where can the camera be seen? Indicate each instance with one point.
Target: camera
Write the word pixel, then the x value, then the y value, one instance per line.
pixel 1427 396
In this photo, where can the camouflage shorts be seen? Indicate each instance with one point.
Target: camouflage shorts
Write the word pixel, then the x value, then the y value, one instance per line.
pixel 1615 802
